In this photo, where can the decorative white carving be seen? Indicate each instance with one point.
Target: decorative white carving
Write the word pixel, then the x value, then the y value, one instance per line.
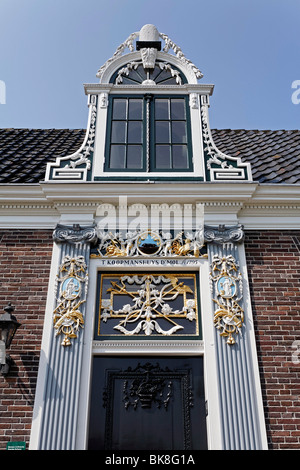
pixel 103 100
pixel 69 171
pixel 194 101
pixel 83 156
pixel 169 44
pixel 126 44
pixel 224 171
pixel 134 65
pixel 174 73
pixel 125 71
pixel 149 56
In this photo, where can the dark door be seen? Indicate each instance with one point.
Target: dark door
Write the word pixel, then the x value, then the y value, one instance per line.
pixel 147 403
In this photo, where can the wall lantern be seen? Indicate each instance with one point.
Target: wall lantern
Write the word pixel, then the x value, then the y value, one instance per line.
pixel 8 327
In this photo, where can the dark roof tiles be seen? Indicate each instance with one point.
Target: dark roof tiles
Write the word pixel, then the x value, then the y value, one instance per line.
pixel 274 155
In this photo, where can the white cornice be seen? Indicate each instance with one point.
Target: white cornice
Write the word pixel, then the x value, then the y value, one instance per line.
pixel 96 88
pixel 254 205
pixel 145 191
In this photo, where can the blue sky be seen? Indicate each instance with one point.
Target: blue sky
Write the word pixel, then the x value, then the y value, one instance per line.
pixel 249 49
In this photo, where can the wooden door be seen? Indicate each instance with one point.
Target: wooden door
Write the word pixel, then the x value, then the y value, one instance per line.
pixel 147 403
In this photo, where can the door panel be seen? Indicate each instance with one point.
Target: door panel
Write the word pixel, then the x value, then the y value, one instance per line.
pixel 144 403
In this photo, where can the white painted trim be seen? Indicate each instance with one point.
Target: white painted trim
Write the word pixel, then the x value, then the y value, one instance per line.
pixel 250 333
pixel 197 140
pixel 213 422
pixel 222 173
pixel 196 132
pixel 164 348
pixel 136 56
pixel 70 173
pixel 100 140
pixel 86 372
pixel 44 354
pixel 97 88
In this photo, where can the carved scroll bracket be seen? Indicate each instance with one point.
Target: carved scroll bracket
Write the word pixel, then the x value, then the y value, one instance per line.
pixel 74 234
pixel 223 234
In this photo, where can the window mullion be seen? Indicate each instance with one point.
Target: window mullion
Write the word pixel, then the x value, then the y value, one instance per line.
pixel 171 135
pixel 126 132
pixel 148 99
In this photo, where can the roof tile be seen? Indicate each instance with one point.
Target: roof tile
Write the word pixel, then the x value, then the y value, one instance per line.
pixel 274 154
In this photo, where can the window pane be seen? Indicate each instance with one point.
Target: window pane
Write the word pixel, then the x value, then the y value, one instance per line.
pixel 135 132
pixel 161 109
pixel 178 132
pixel 162 132
pixel 134 156
pixel 180 157
pixel 163 157
pixel 117 156
pixel 155 72
pixel 119 108
pixel 118 132
pixel 178 108
pixel 135 109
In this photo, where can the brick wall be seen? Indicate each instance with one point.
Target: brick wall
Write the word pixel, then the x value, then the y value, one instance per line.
pixel 273 260
pixel 25 258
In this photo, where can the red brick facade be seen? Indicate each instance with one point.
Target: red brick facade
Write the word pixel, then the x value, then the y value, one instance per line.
pixel 273 259
pixel 25 265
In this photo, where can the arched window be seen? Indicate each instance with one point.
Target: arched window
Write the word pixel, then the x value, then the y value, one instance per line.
pixel 162 74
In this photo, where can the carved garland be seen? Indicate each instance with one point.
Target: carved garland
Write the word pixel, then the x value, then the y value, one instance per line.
pixel 169 44
pixel 227 290
pixel 178 52
pixel 135 64
pixel 71 283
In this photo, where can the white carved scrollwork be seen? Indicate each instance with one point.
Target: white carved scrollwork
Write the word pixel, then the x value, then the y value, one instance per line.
pixel 77 165
pixel 149 57
pixel 219 166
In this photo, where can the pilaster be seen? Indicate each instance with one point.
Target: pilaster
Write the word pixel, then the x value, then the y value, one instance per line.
pixel 240 402
pixel 58 422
